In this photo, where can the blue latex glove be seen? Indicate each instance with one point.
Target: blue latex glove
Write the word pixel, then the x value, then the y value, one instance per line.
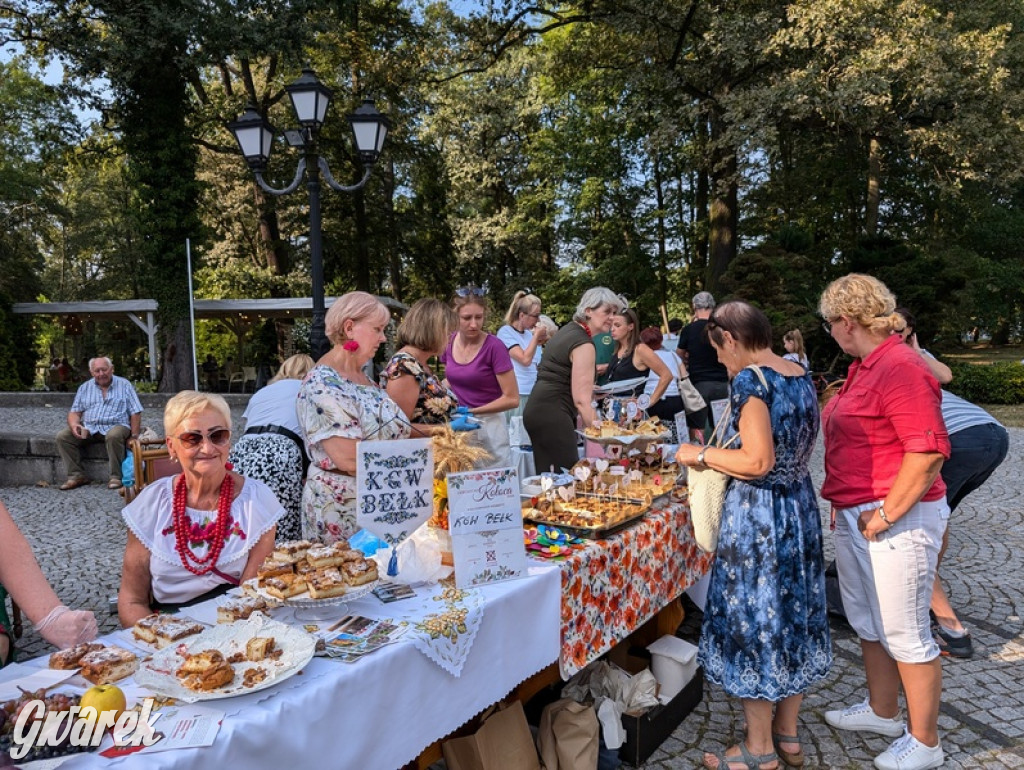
pixel 464 422
pixel 461 410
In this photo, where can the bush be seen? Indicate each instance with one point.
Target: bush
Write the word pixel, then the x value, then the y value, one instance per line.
pixel 989 383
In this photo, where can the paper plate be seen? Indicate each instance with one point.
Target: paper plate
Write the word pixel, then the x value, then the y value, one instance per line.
pixel 158 673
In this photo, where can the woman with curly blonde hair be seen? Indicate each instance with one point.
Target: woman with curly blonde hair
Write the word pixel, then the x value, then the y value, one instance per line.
pixel 885 442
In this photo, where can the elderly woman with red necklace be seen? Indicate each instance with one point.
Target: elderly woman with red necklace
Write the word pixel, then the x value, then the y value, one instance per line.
pixel 195 535
pixel 478 368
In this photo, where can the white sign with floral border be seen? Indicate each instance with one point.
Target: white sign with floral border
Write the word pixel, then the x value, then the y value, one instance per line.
pixel 486 524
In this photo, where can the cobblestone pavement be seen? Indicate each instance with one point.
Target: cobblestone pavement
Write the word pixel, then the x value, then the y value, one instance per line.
pixel 79 540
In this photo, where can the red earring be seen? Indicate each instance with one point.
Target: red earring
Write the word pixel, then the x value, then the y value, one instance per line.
pixel 351 346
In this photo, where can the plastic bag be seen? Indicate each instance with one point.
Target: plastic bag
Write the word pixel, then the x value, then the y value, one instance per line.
pixel 128 470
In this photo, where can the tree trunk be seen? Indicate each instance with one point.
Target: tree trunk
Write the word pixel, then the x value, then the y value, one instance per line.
pixel 177 372
pixel 874 175
pixel 362 248
pixel 394 258
pixel 724 208
pixel 701 205
pixel 274 249
pixel 659 193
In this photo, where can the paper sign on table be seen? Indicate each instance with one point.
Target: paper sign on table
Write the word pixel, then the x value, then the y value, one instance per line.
pixel 486 524
pixel 394 487
pixel 178 727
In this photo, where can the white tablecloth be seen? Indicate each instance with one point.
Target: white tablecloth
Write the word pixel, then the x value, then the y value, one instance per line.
pixel 382 711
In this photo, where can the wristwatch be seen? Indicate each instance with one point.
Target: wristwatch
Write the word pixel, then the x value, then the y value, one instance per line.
pixel 883 517
pixel 700 455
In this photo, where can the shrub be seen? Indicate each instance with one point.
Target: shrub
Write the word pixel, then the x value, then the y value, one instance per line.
pixel 1001 383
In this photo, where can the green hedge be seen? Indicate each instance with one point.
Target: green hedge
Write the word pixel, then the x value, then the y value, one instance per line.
pixel 989 383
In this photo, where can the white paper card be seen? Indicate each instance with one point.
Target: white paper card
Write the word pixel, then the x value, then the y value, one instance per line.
pixel 394 487
pixel 181 726
pixel 486 524
pixel 30 679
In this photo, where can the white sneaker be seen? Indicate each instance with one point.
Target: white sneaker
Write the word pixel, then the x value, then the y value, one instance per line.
pixel 863 718
pixel 908 753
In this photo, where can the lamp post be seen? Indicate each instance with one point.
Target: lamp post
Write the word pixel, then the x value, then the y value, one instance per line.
pixel 310 100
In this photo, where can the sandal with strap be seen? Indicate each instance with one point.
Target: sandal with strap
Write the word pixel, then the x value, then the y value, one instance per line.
pixel 752 761
pixel 791 758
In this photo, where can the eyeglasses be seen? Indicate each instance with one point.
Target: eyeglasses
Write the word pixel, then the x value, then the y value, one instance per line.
pixel 193 438
pixel 470 291
pixel 827 324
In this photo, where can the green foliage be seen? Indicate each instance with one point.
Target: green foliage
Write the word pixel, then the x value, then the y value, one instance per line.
pixel 925 282
pixel 1001 383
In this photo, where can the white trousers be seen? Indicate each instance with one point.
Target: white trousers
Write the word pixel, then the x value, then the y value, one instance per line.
pixel 887 584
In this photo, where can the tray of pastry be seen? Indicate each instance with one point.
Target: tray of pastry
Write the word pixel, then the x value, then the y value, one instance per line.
pixel 642 434
pixel 590 517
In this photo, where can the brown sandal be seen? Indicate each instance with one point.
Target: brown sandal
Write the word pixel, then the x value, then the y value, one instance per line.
pixel 74 483
pixel 791 758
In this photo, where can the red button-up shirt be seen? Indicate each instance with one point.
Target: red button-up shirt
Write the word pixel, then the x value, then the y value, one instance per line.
pixel 890 405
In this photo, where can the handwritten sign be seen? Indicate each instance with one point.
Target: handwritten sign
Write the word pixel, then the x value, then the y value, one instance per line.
pixel 486 524
pixel 394 487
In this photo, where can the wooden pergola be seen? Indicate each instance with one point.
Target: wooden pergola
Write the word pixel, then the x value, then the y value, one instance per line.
pixel 233 313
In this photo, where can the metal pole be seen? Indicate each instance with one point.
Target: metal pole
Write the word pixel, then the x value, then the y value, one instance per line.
pixel 318 344
pixel 192 315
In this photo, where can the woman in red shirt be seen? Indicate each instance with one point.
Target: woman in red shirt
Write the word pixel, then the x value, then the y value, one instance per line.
pixel 885 442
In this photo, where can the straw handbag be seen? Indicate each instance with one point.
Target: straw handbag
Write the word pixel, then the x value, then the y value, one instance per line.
pixel 707 488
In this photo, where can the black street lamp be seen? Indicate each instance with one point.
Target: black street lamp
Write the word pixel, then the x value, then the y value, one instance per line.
pixel 255 136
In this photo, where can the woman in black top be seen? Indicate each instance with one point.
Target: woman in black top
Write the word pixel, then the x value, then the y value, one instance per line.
pixel 565 382
pixel 633 359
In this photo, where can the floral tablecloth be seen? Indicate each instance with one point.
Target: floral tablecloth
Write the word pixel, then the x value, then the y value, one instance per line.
pixel 613 586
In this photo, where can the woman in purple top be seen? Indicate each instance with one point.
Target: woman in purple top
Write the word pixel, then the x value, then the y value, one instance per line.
pixel 478 369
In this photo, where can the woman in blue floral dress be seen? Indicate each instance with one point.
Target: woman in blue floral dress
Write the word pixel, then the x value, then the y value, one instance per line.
pixel 338 406
pixel 765 637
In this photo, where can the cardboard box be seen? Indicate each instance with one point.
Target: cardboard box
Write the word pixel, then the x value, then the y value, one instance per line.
pixel 647 732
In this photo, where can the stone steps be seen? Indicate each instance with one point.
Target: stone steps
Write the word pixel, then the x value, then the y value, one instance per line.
pixel 27 459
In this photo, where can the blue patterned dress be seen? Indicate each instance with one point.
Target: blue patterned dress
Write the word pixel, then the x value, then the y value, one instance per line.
pixel 765 633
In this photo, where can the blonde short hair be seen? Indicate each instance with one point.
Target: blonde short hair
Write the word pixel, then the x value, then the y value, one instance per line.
pixel 863 299
pixel 294 368
pixel 427 325
pixel 187 403
pixel 355 306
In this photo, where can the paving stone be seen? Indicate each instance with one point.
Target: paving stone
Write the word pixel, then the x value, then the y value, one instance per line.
pixel 79 540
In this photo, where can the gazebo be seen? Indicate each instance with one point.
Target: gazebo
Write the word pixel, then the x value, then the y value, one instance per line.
pixel 234 313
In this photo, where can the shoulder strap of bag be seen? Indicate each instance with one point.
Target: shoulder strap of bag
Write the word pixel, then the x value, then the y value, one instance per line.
pixel 725 414
pixel 760 375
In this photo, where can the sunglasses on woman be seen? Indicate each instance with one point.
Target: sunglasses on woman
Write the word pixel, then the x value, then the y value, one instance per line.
pixel 470 291
pixel 193 438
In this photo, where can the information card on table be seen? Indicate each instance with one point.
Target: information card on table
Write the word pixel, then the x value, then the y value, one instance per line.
pixel 486 524
pixel 394 487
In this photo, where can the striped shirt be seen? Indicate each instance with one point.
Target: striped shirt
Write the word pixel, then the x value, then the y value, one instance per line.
pixel 100 414
pixel 959 414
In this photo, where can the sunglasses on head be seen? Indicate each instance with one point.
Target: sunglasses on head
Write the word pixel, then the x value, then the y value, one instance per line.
pixel 470 291
pixel 193 438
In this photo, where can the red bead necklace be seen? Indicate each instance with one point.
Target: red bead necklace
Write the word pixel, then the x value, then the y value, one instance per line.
pixel 214 534
pixel 586 328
